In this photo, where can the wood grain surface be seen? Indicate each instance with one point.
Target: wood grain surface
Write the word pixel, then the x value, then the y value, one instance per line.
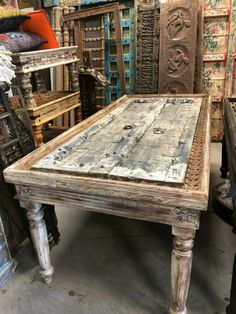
pixel 144 139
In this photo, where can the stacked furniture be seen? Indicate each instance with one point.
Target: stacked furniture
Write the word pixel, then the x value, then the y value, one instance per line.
pixel 46 106
pixel 16 141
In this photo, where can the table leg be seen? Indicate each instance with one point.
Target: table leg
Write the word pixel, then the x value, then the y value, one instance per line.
pixel 40 239
pixel 26 89
pixel 181 264
pixel 74 76
pixel 38 134
pixel 224 160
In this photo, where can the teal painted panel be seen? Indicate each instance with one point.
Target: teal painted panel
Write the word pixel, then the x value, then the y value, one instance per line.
pixel 127 19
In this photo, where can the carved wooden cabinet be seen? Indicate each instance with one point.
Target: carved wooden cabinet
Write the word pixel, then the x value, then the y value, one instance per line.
pixel 44 111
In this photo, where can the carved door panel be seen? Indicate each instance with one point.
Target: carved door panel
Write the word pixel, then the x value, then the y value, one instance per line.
pixel 178 34
pixel 148 35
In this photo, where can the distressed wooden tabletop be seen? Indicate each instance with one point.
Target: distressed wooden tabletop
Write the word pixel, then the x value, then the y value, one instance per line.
pixel 147 139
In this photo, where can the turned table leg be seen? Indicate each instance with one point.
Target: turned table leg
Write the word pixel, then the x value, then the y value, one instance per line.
pixel 224 169
pixel 40 239
pixel 38 134
pixel 74 76
pixel 181 264
pixel 26 90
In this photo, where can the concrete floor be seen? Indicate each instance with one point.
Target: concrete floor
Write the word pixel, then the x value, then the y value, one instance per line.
pixel 105 264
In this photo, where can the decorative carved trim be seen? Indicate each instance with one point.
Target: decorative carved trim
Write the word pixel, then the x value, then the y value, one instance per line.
pixel 186 214
pixel 148 32
pixel 38 60
pixel 23 189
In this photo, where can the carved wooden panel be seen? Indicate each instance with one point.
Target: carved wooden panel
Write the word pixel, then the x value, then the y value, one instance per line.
pixel 178 34
pixel 148 32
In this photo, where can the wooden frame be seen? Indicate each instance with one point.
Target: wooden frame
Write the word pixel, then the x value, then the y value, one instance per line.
pixel 178 205
pixel 101 10
pixel 34 61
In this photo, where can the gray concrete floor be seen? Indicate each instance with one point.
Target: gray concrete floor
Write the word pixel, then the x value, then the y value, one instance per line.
pixel 105 264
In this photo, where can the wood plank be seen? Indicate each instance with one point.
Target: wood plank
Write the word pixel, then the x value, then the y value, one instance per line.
pixel 100 10
pixel 55 108
pixel 126 145
pixel 142 150
pixel 54 160
pixel 158 157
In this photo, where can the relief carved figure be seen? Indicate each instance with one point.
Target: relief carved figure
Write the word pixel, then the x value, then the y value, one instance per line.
pixel 177 61
pixel 175 87
pixel 178 22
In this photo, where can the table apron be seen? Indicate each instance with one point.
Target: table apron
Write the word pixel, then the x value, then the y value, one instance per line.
pixel 130 208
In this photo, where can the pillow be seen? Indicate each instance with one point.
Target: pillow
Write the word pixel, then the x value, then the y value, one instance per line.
pixel 12 23
pixel 39 24
pixel 11 18
pixel 20 41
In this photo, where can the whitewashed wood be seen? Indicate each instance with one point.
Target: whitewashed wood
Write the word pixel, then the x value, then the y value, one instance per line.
pixel 62 154
pixel 181 265
pixel 135 147
pixel 157 156
pixel 40 239
pixel 31 61
pixel 177 205
pixel 124 207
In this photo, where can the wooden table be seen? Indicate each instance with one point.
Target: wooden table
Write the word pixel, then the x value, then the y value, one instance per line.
pixel 34 61
pixel 143 157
